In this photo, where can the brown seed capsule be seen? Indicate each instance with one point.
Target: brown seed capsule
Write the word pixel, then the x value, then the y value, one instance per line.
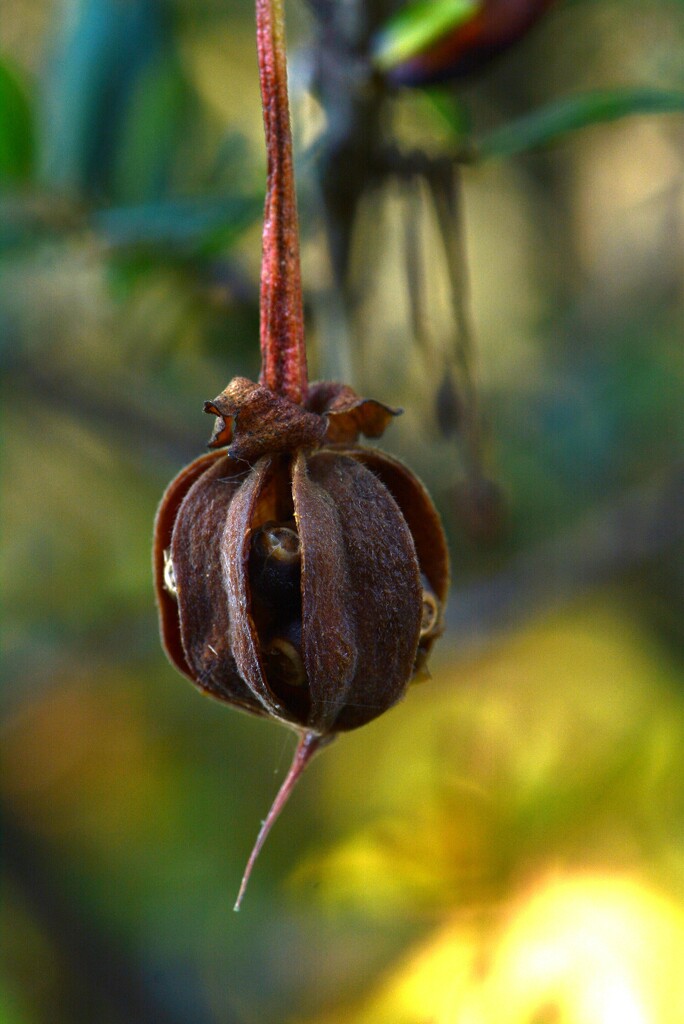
pixel 299 576
pixel 430 616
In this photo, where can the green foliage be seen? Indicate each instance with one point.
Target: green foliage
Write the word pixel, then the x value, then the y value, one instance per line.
pixel 104 53
pixel 552 123
pixel 158 104
pixel 556 120
pixel 202 225
pixel 17 128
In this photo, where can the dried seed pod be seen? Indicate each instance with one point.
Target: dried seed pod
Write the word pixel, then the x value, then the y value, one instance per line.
pixel 299 576
pixel 299 579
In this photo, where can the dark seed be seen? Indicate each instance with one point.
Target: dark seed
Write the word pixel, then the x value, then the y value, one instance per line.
pixel 274 571
pixel 278 543
pixel 170 575
pixel 430 614
pixel 283 664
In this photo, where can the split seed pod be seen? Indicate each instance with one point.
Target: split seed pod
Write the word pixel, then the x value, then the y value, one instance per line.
pixel 299 576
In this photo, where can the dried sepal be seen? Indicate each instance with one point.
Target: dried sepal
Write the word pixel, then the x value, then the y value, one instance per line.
pixel 348 415
pixel 329 643
pixel 242 518
pixel 253 421
pixel 195 622
pixel 167 514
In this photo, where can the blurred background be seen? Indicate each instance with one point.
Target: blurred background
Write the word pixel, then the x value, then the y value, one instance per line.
pixel 497 246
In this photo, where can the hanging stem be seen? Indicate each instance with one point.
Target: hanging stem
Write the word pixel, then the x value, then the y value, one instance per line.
pixel 283 355
pixel 309 744
pixel 445 183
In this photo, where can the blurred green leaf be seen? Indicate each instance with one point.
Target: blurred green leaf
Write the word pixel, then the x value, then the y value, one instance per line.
pixel 103 50
pixel 17 142
pixel 150 130
pixel 449 111
pixel 554 121
pixel 418 25
pixel 205 223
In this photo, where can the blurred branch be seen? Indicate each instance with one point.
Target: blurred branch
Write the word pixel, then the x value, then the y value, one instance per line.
pixel 139 432
pixel 191 225
pixel 352 97
pixel 626 533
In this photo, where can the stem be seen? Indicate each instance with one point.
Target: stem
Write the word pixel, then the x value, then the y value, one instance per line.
pixel 445 183
pixel 283 355
pixel 309 744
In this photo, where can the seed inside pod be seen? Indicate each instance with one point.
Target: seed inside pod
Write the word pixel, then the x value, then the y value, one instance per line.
pixel 274 571
pixel 430 614
pixel 283 664
pixel 277 542
pixel 170 575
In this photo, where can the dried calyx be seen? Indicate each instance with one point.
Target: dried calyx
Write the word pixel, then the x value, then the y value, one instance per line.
pixel 300 576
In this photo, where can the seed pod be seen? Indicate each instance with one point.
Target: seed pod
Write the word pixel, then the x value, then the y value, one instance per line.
pixel 299 576
pixel 299 579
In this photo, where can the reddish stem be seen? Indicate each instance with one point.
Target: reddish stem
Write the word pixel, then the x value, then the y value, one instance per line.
pixel 283 355
pixel 309 744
